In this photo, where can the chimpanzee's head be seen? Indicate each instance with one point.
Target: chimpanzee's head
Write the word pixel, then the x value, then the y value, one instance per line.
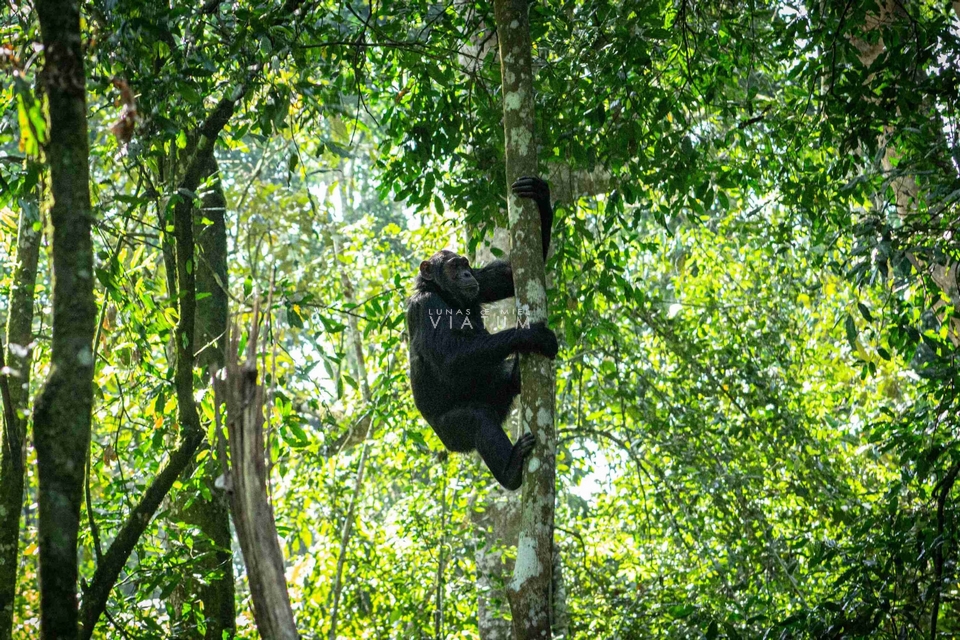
pixel 449 273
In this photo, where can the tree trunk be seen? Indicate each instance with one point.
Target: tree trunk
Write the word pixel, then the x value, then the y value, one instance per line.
pixel 63 408
pixel 530 589
pixel 212 516
pixel 360 371
pixel 497 528
pixel 211 321
pixel 19 358
pixel 559 611
pixel 498 523
pixel 249 505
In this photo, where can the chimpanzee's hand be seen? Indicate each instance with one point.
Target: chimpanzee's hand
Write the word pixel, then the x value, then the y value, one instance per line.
pixel 540 339
pixel 533 188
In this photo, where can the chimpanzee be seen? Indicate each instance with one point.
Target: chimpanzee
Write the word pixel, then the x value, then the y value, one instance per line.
pixel 463 378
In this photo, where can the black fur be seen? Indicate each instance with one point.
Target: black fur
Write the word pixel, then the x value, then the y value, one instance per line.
pixel 463 378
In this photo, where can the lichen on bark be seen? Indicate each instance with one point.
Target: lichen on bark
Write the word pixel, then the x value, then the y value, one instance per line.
pixel 530 590
pixel 63 409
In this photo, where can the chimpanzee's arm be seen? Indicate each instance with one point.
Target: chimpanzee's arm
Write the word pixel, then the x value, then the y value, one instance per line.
pixel 454 349
pixel 539 191
pixel 496 278
pixel 472 353
pixel 496 281
pixel 464 354
pixel 457 352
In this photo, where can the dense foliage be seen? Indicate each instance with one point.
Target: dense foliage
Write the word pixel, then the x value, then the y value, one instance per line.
pixel 754 284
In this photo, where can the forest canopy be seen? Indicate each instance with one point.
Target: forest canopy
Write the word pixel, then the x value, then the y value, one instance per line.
pixel 218 209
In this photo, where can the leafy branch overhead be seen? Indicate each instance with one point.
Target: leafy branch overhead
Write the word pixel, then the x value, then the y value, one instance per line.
pixel 732 224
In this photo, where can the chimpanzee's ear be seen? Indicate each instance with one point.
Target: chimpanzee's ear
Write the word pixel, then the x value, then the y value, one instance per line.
pixel 425 271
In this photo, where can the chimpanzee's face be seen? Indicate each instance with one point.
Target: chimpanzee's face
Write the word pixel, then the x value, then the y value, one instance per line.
pixel 451 272
pixel 457 272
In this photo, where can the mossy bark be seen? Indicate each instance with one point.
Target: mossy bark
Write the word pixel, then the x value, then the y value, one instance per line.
pixel 213 516
pixel 530 589
pixel 63 408
pixel 19 358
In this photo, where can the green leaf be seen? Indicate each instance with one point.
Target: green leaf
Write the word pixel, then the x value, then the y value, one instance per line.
pixel 681 610
pixel 294 319
pixel 851 328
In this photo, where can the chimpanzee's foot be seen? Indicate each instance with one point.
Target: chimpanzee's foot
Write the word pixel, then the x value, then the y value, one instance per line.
pixel 524 446
pixel 521 449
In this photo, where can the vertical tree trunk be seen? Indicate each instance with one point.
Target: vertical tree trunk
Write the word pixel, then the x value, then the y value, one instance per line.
pixel 249 506
pixel 559 611
pixel 213 516
pixel 19 358
pixel 360 366
pixel 63 408
pixel 345 540
pixel 498 524
pixel 497 528
pixel 530 589
pixel 211 321
pixel 113 561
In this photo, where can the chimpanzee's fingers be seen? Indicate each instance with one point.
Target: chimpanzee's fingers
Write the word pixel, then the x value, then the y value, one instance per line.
pixel 524 182
pixel 525 444
pixel 526 187
pixel 530 187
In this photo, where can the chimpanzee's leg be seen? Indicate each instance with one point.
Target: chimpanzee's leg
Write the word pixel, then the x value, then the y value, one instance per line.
pixel 515 375
pixel 457 428
pixel 505 388
pixel 480 421
pixel 505 460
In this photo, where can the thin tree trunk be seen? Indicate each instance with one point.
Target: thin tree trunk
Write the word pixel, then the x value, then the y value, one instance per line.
pixel 498 523
pixel 212 516
pixel 356 344
pixel 19 358
pixel 530 589
pixel 63 409
pixel 249 505
pixel 560 613
pixel 440 581
pixel 345 539
pixel 497 527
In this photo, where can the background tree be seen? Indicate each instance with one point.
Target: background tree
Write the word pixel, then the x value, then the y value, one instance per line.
pixel 751 279
pixel 63 408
